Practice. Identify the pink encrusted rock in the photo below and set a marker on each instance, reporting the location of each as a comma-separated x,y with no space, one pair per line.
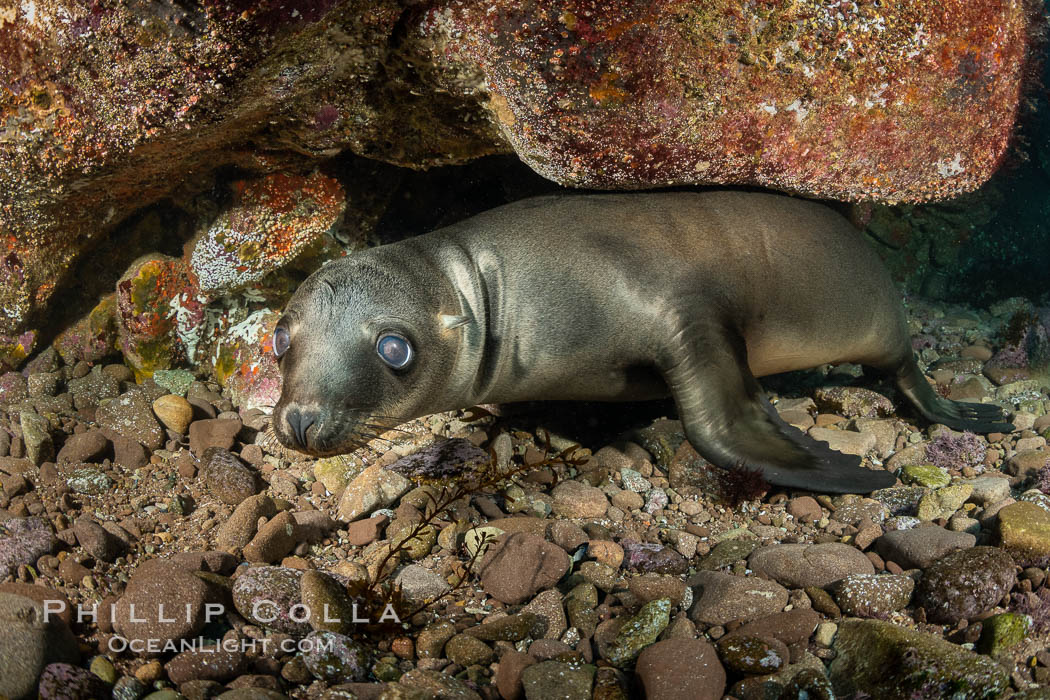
272,221
900,101
93,131
244,362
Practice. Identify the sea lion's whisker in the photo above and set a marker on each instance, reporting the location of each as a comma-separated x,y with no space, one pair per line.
384,428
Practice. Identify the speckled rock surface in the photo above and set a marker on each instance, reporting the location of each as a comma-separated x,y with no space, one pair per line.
966,583
884,661
267,594
869,595
23,540
789,95
336,658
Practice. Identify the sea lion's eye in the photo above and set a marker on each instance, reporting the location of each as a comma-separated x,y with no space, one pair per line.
281,341
395,350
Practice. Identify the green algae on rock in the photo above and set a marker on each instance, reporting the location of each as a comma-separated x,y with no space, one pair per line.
928,475
1001,632
893,663
1024,531
639,632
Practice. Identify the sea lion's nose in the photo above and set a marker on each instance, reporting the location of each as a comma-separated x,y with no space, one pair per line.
300,420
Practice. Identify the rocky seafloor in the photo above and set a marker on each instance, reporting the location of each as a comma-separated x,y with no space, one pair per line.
553,551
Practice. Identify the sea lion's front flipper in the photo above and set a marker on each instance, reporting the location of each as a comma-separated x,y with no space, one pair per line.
729,421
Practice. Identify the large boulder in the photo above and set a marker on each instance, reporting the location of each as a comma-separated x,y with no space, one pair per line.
91,134
868,101
877,102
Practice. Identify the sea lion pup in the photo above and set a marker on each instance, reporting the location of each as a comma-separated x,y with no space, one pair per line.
607,297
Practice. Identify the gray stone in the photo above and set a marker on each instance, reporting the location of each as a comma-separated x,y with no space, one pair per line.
555,680
36,433
29,641
921,546
721,598
420,585
801,565
131,416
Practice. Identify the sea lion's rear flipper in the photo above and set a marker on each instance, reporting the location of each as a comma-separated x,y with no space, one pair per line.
729,421
957,415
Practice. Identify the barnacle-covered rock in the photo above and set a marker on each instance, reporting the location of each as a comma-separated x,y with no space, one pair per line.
271,222
243,360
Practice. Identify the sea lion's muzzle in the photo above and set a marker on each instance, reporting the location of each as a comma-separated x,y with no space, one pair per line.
299,426
300,420
319,431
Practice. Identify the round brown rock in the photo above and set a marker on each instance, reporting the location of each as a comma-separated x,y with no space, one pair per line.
681,668
213,432
801,565
521,565
212,663
274,540
466,650
227,477
573,499
921,546
88,446
155,583
97,541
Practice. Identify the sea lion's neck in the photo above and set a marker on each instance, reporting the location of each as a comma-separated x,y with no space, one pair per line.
475,278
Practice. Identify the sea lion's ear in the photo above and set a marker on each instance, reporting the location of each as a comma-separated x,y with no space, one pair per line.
450,322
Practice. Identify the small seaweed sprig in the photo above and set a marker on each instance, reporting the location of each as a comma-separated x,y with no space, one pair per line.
478,476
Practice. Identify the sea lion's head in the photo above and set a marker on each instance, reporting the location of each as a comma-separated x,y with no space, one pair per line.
361,348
